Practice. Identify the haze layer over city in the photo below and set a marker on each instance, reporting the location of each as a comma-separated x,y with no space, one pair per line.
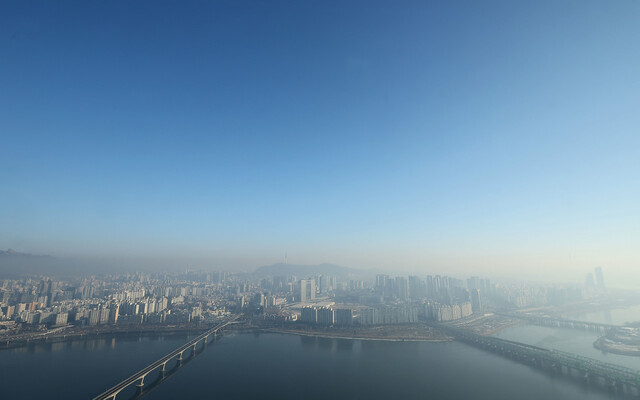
328,184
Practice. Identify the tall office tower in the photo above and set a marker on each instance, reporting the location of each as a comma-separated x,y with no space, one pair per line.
599,278
589,283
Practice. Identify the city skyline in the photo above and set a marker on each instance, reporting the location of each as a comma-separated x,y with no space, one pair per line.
501,142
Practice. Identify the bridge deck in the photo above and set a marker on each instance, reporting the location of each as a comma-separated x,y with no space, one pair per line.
561,321
113,391
587,365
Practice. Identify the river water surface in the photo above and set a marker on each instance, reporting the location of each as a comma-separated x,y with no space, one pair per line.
279,366
618,316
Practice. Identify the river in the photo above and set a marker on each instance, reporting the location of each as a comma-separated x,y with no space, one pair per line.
280,366
617,316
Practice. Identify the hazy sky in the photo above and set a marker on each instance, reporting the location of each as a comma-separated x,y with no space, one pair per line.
461,136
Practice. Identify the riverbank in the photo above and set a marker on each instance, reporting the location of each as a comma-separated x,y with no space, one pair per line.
607,345
388,333
75,334
486,325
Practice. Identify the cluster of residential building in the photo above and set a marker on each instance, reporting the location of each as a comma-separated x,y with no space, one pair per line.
115,300
322,300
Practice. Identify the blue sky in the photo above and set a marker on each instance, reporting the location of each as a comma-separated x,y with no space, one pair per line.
431,136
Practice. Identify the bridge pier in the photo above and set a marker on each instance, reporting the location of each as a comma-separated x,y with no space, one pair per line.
586,377
140,384
620,387
608,384
194,348
556,368
180,357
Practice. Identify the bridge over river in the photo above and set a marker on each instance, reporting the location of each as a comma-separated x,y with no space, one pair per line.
563,323
161,364
588,370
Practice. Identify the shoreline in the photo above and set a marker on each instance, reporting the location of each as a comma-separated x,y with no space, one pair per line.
586,309
325,336
492,332
602,346
71,336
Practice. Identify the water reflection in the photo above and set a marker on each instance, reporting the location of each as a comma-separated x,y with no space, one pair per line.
164,375
325,343
308,341
569,340
57,347
281,367
344,345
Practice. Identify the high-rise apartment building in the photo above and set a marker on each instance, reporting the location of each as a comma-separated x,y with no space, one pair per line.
307,290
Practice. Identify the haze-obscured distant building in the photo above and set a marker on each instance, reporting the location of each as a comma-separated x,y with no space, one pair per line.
476,302
388,315
600,278
446,312
589,282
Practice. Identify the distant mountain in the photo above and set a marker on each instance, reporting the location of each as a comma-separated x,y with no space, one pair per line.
8,255
304,270
14,264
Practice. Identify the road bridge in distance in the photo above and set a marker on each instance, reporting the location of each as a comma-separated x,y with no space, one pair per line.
590,371
138,377
564,323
